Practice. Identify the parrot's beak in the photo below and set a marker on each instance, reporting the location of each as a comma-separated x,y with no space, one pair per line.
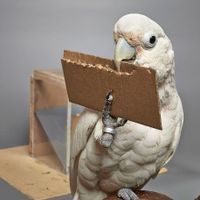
123,51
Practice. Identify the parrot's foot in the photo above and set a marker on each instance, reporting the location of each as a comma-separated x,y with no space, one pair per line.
110,123
106,140
127,194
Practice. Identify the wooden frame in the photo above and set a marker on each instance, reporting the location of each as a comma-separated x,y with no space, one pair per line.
47,89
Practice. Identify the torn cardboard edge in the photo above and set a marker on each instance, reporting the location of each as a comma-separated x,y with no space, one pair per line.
88,79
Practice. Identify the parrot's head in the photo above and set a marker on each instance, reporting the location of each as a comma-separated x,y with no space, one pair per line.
142,42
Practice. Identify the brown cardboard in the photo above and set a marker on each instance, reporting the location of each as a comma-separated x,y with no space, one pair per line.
89,78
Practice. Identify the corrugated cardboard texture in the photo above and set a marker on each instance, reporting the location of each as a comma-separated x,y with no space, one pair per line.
89,78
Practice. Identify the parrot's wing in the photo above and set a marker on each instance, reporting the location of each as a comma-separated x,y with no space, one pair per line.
84,128
177,134
175,143
171,151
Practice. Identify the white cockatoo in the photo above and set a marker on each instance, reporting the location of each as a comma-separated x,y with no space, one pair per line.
111,155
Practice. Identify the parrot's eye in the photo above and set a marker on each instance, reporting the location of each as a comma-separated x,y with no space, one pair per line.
149,40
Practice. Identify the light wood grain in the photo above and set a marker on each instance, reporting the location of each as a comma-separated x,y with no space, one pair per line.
30,176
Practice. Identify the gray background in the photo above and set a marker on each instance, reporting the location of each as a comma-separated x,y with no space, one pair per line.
33,35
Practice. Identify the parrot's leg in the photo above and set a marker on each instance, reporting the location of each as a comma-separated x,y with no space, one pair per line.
106,139
110,123
127,194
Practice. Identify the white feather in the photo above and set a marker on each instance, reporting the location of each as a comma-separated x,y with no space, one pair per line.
137,152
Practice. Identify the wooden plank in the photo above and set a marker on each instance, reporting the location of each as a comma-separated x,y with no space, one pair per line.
31,176
54,76
37,135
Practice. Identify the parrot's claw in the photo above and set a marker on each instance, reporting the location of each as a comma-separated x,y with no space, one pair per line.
127,194
106,140
107,119
121,122
109,97
110,123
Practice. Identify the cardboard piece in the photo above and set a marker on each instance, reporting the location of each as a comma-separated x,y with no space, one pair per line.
89,78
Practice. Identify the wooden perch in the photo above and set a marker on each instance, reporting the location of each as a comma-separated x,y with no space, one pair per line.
144,195
198,198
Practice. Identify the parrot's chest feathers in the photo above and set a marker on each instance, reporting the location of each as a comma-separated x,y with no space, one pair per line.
138,151
131,159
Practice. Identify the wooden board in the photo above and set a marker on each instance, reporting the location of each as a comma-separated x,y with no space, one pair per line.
30,176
